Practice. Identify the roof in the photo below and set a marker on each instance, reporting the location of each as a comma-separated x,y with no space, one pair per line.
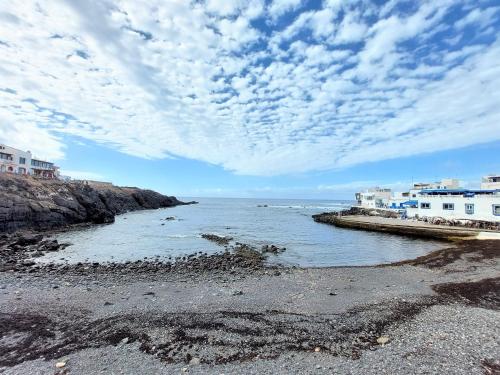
456,191
410,203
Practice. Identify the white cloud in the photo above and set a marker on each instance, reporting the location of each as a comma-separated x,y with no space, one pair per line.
350,30
280,7
478,16
202,81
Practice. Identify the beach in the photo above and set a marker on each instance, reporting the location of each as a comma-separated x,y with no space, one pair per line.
436,314
232,286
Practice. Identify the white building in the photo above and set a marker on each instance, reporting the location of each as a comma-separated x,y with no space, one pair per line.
17,161
443,199
459,204
490,182
14,161
374,198
445,183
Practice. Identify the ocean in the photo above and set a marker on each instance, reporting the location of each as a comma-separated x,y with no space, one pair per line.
281,222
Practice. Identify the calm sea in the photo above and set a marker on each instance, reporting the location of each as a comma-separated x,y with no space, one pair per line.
287,223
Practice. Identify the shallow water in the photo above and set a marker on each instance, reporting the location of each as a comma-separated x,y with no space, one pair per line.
285,223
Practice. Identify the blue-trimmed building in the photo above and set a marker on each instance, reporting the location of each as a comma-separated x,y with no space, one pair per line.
458,204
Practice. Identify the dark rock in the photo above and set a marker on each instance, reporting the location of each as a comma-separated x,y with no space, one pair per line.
220,240
28,203
273,249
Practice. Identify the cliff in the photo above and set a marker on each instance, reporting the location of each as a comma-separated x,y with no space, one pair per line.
28,203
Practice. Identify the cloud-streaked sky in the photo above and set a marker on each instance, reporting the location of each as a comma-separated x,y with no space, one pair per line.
257,88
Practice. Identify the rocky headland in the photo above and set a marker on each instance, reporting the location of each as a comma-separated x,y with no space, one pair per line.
32,204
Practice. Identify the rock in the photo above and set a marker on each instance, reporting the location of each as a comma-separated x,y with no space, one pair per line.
220,240
195,361
237,293
170,218
29,240
28,203
317,349
382,340
125,340
273,249
60,364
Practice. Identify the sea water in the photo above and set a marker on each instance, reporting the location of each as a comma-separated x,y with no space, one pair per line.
284,223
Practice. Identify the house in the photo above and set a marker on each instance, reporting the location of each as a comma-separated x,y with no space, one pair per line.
459,204
445,183
490,182
445,199
13,160
374,198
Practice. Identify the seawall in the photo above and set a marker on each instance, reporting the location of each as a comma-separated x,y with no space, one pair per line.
405,227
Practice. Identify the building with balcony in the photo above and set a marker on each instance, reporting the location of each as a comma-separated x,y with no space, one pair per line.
490,182
13,160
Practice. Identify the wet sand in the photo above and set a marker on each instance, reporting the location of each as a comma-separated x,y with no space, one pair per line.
232,314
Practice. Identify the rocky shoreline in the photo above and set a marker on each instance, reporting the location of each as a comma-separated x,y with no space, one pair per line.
19,251
230,312
27,203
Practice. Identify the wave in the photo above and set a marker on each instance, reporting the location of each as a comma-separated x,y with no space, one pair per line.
180,235
332,206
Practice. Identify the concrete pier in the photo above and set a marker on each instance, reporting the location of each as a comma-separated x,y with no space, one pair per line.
406,227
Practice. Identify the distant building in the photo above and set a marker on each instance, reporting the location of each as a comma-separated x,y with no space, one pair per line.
17,161
460,204
445,183
490,182
374,198
445,199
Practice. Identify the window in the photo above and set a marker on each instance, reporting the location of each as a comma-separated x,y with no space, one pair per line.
5,156
22,160
425,205
448,206
496,209
469,208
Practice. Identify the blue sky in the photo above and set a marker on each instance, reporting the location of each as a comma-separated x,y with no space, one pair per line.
283,98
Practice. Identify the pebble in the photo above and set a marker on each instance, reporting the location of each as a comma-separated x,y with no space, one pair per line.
60,364
382,340
194,361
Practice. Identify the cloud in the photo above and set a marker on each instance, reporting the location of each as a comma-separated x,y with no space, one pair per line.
259,89
280,7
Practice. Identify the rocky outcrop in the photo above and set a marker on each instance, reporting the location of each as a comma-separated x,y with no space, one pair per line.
478,224
28,203
328,217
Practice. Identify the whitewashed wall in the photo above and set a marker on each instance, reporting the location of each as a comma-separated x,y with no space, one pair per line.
482,207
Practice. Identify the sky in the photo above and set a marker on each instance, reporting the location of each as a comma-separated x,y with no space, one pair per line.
254,98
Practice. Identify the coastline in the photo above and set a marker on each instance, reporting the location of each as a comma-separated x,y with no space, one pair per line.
233,314
27,203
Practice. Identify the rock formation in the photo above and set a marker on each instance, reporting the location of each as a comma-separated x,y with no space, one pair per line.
28,203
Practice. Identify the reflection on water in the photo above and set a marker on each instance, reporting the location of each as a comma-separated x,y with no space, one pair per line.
257,222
